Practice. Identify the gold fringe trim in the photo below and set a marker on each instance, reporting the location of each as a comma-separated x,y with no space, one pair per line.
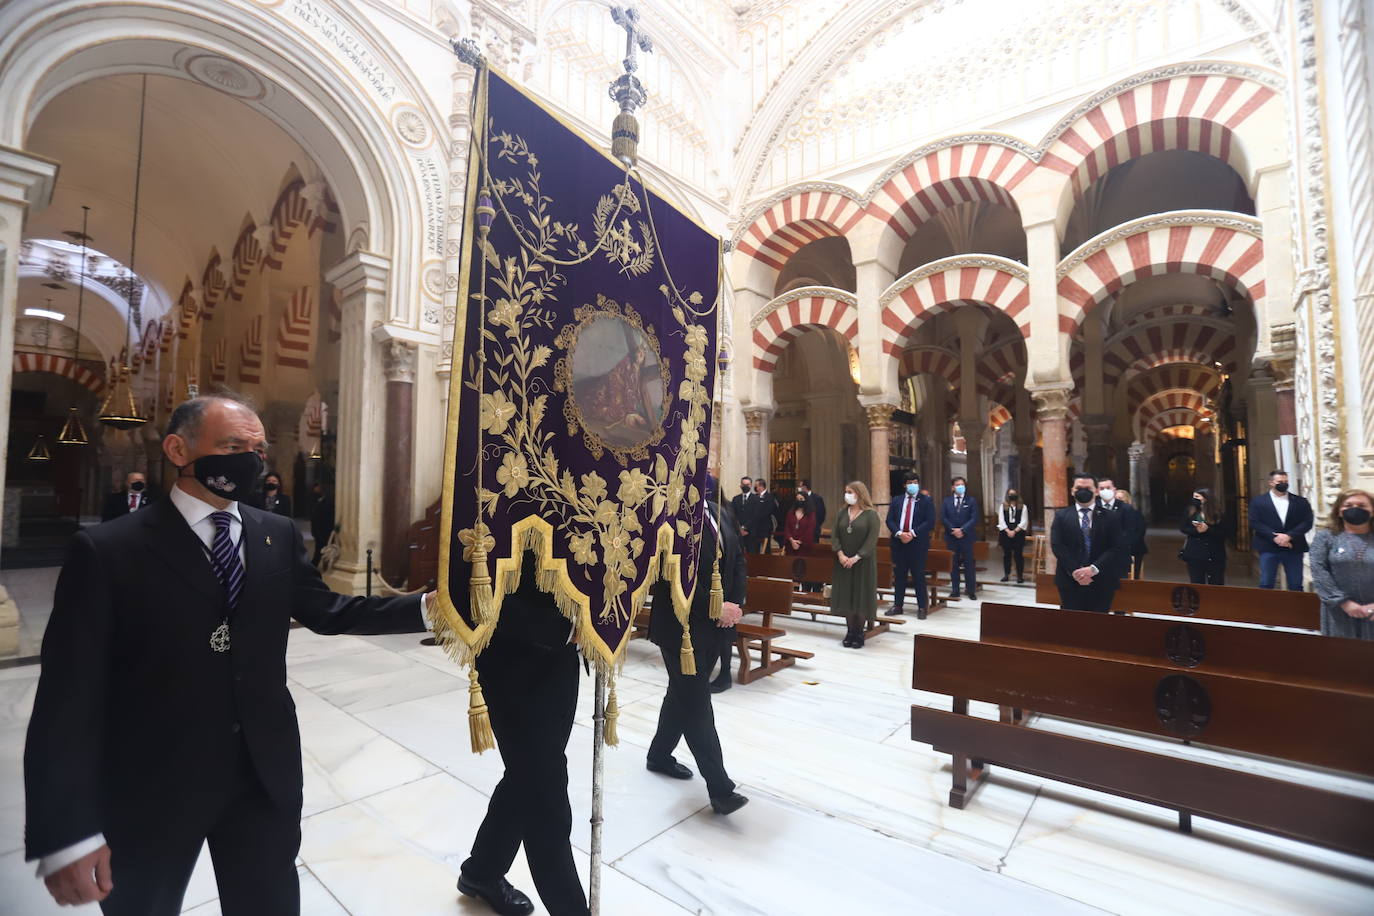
479,721
612,714
480,588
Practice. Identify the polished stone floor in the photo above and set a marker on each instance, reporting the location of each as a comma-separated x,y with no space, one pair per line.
847,814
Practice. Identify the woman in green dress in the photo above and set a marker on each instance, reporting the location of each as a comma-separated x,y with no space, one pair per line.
854,583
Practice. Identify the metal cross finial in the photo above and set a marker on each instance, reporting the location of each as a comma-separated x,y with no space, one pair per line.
628,19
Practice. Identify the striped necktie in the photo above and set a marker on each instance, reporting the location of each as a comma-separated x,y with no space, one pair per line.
224,557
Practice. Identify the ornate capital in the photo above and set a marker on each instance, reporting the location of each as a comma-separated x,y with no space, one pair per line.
1135,451
880,415
754,419
1051,402
1282,369
398,359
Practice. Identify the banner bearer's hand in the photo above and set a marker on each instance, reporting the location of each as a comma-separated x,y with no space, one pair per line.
87,880
730,614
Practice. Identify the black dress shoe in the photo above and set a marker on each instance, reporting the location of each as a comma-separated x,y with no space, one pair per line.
896,610
858,642
1006,578
720,686
499,895
728,804
972,596
848,640
953,596
671,768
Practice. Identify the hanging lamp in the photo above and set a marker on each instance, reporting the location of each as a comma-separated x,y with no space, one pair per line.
73,432
39,451
120,409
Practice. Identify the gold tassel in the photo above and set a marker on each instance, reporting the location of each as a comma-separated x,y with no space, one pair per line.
479,587
479,722
687,658
717,593
612,713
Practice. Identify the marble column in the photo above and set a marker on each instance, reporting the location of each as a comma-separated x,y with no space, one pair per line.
880,451
1052,410
756,425
1097,431
1140,473
398,358
361,280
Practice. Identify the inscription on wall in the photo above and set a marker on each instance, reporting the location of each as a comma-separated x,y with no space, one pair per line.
350,46
432,191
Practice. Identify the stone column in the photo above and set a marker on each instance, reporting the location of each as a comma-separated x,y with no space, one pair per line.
1097,430
1285,412
972,429
398,358
361,280
26,182
756,425
879,429
1052,410
1140,475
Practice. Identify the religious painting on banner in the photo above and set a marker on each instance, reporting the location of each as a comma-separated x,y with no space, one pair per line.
580,399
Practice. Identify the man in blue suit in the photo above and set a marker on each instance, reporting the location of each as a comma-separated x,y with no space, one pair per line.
1280,521
960,518
910,519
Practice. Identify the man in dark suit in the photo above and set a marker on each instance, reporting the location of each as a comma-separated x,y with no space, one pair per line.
817,503
133,497
530,677
960,518
1280,521
1132,524
760,518
162,717
910,519
739,504
686,710
1088,546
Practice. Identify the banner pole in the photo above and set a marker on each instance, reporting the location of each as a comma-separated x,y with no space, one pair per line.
598,766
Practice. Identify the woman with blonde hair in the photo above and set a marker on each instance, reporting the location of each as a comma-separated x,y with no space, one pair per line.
1343,567
854,584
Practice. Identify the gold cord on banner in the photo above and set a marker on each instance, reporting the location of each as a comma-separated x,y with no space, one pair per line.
480,594
687,658
612,714
479,721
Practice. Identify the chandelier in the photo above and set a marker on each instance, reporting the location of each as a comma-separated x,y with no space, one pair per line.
73,432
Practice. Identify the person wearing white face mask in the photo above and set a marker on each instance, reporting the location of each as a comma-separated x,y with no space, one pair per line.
854,582
1132,524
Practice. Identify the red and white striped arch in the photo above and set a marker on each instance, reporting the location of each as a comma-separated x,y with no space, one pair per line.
998,416
1145,348
59,365
1198,379
947,176
998,366
796,221
942,285
793,314
935,361
1169,419
1165,402
1200,112
1228,249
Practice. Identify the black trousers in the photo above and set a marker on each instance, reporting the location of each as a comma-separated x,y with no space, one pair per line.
1085,597
1014,549
755,543
531,696
1137,564
687,713
253,845
1207,572
962,548
909,560
724,641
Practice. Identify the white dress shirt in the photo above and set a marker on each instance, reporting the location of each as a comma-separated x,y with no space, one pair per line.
1280,505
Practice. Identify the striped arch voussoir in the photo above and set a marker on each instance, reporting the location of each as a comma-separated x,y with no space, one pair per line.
59,365
942,285
944,177
794,313
784,228
935,361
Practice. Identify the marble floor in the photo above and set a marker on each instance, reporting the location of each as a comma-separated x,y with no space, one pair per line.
847,814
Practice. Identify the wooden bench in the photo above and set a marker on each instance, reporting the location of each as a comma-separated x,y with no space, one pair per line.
1296,722
766,597
1262,606
805,568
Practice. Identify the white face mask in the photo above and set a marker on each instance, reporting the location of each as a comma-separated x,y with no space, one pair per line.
851,499
1107,494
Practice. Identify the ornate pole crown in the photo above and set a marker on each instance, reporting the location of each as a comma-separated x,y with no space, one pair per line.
626,90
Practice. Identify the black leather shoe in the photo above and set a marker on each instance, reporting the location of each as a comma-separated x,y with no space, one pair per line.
671,768
498,894
848,640
858,642
728,804
1006,578
896,610
720,686
972,596
953,596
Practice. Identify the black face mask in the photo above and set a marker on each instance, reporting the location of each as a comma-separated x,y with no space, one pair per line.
1011,497
229,477
1355,515
137,486
270,486
744,488
1281,487
1195,503
1084,495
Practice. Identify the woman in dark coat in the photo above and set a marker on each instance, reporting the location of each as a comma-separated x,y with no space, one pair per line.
799,532
1205,549
686,710
854,583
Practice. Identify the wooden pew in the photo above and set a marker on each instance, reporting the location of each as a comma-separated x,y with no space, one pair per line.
1266,607
1271,655
766,597
1288,721
805,568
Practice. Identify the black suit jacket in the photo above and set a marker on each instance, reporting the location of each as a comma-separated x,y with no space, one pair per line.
818,509
1133,528
1264,522
965,517
760,514
135,717
1108,549
117,504
922,521
664,629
